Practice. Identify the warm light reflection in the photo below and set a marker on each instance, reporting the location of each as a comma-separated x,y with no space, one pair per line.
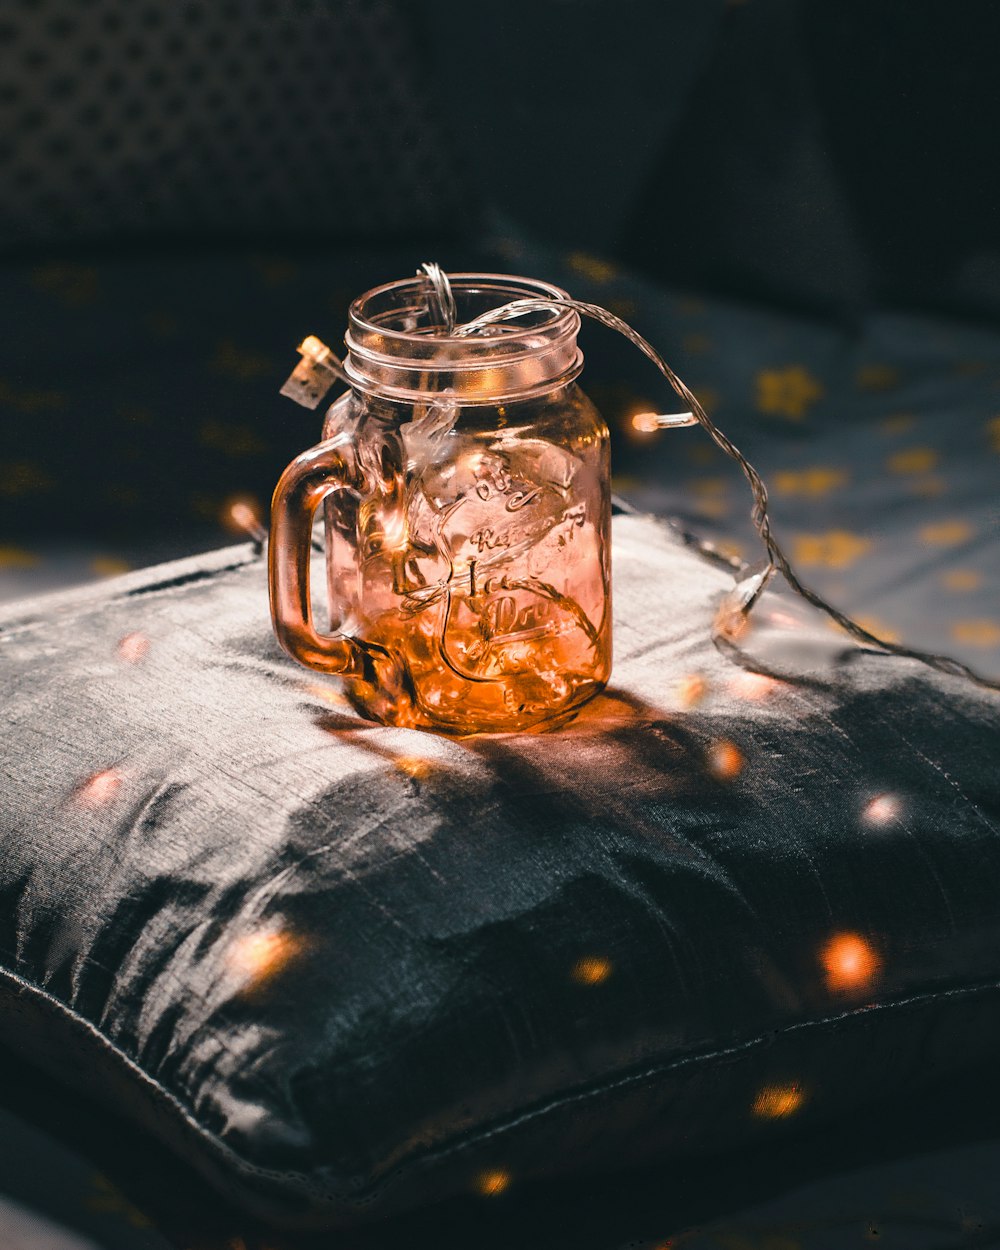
591,970
394,531
414,766
329,694
690,690
256,957
777,1102
882,810
784,620
850,963
132,648
492,1182
99,789
753,686
725,760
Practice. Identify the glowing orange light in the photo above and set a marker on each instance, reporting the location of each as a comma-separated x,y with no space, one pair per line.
314,348
691,690
785,620
99,789
241,515
754,686
725,760
257,957
645,422
591,970
777,1102
492,1182
413,766
132,648
730,623
850,963
883,809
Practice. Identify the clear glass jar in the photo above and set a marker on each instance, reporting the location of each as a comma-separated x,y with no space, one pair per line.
467,503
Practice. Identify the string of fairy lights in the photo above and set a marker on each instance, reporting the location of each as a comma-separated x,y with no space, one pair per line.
319,368
734,612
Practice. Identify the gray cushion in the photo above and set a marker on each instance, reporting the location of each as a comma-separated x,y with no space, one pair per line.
348,969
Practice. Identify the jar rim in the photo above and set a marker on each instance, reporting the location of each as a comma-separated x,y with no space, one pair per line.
412,359
555,322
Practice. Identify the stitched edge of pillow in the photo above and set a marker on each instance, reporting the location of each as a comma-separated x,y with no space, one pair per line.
183,1125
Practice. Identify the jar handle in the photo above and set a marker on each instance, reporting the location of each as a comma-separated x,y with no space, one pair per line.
301,489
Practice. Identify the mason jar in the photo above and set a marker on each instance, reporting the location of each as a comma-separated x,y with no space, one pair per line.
466,490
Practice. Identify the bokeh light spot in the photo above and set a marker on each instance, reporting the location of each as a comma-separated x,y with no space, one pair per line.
882,810
132,648
850,963
255,958
492,1182
591,970
753,686
725,760
240,514
100,788
778,1102
690,690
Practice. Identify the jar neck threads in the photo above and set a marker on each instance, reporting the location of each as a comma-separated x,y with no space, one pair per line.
396,350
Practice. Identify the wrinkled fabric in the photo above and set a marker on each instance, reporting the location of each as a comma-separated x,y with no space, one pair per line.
349,969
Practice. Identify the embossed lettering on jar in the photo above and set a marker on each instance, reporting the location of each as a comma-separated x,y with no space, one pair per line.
466,487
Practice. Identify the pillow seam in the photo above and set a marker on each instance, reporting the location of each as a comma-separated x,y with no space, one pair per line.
304,1184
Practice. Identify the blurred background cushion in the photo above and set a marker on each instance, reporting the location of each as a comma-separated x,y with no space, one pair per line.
347,969
216,121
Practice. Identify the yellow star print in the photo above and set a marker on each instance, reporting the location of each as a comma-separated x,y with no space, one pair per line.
877,377
946,533
962,579
913,460
591,266
837,549
810,482
17,558
977,633
788,392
